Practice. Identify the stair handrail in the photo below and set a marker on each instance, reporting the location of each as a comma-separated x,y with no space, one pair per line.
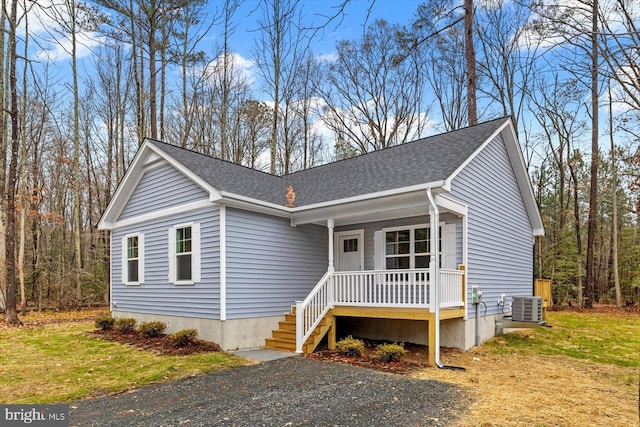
305,329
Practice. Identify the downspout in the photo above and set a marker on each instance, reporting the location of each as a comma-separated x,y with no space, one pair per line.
435,269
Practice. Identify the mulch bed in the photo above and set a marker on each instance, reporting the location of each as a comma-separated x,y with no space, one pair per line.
417,358
160,345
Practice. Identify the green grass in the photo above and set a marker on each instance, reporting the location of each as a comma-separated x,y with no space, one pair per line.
602,338
60,362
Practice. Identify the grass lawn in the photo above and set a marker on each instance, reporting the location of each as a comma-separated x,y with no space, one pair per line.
56,362
598,337
581,371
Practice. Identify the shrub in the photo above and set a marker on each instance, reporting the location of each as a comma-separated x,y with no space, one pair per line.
125,325
152,329
350,346
390,352
184,337
104,322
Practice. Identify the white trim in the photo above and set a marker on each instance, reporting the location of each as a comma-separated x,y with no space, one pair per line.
187,207
330,226
369,196
360,233
516,159
147,157
125,259
412,253
451,205
223,262
465,262
214,194
464,164
195,252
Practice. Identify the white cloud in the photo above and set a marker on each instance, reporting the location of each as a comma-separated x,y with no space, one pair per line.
330,57
44,20
239,64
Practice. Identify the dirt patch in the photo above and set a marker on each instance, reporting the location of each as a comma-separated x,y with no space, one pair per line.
159,345
417,358
516,390
599,308
34,319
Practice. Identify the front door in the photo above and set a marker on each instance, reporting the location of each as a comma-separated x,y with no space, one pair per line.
349,250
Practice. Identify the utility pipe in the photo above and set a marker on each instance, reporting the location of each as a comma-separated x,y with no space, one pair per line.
477,324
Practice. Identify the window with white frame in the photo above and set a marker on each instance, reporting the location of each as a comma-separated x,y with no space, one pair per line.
133,259
184,254
407,247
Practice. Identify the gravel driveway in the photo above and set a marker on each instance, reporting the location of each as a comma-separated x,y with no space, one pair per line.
287,392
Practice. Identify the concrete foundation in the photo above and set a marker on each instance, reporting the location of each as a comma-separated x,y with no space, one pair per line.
231,334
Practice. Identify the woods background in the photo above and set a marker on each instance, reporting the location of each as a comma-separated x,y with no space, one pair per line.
83,83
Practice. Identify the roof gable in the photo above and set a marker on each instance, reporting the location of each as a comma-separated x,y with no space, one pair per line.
429,162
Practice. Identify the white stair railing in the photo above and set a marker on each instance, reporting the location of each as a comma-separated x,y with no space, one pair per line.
383,288
310,312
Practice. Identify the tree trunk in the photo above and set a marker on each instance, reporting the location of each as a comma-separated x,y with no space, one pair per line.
11,311
470,55
614,208
77,221
593,191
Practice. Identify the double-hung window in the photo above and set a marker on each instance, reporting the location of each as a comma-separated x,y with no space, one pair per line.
184,254
407,247
133,259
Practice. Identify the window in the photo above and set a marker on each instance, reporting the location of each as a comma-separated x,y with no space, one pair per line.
133,259
184,254
407,248
350,245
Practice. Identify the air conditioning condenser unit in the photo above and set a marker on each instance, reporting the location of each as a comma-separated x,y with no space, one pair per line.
527,309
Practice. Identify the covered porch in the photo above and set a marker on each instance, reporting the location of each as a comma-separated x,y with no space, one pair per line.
382,265
398,295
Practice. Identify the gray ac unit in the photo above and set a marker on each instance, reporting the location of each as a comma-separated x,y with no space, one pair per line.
527,309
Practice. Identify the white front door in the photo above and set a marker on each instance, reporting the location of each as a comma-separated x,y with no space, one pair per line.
349,250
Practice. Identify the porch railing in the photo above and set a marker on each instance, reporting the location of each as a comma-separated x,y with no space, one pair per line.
387,288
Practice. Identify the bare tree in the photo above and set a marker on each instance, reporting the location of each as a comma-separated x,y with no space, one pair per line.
372,100
508,56
280,46
445,70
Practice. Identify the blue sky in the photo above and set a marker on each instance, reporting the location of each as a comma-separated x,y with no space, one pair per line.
349,26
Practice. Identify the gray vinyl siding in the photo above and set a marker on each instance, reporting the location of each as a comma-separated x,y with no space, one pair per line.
371,227
500,238
156,295
160,188
270,264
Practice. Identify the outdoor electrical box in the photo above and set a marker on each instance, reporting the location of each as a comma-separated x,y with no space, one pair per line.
476,295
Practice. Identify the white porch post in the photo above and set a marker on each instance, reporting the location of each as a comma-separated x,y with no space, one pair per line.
330,224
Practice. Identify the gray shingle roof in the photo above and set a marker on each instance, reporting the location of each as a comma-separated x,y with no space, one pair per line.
426,160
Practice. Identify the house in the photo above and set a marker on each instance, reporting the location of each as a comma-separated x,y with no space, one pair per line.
202,243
